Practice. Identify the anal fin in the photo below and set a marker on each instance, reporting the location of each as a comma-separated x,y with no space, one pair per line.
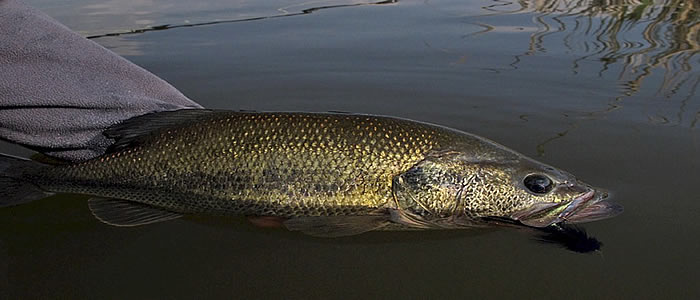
336,226
126,213
267,221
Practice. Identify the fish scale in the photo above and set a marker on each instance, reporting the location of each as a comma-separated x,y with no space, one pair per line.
280,164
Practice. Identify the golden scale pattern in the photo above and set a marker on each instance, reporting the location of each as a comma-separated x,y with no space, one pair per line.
284,164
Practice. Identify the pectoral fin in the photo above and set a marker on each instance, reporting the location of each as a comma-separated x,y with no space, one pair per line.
410,220
336,226
126,213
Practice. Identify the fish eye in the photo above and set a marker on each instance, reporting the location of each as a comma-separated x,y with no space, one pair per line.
538,184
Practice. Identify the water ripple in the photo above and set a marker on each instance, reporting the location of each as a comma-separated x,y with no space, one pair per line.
283,12
648,44
643,36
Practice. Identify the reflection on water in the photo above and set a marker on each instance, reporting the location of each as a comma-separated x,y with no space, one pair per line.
286,11
129,47
93,17
643,36
290,10
629,40
633,39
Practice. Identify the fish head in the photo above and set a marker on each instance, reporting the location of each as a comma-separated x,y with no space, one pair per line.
457,189
540,195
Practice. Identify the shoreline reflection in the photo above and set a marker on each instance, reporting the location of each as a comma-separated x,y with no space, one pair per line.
642,36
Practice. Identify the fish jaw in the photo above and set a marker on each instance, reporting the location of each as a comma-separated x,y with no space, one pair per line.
591,205
599,208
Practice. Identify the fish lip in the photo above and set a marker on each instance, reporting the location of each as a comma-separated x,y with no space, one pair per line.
581,201
591,205
534,216
598,208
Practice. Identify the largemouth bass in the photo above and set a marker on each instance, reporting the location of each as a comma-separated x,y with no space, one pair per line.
326,174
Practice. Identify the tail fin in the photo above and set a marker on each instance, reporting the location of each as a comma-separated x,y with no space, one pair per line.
13,189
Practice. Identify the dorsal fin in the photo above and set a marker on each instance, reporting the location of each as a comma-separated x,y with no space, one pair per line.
130,132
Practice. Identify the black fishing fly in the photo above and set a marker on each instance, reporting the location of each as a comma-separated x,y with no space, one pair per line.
570,237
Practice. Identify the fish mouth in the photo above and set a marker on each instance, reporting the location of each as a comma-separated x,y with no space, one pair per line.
589,206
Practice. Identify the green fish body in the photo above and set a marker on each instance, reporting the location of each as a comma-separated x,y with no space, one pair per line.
328,173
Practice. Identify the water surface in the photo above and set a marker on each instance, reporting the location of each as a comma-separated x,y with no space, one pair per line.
606,90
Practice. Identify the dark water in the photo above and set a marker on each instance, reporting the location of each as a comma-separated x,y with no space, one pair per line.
604,89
